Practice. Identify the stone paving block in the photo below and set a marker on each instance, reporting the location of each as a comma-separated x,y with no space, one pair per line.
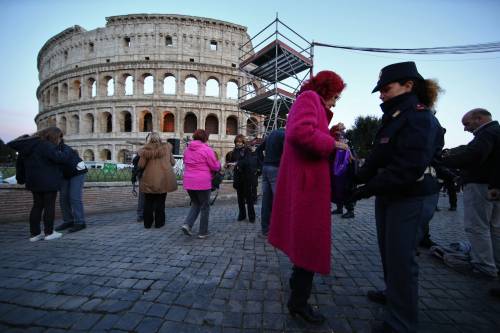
21,316
59,319
176,313
128,321
158,310
113,306
149,325
73,303
106,322
86,321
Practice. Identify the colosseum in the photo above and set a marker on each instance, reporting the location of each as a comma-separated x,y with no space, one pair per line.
107,88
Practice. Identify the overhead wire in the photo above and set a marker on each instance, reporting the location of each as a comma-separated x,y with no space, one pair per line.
490,47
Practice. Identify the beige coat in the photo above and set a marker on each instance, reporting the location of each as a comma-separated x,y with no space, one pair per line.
157,162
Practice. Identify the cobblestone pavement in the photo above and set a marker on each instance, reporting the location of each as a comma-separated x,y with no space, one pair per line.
117,276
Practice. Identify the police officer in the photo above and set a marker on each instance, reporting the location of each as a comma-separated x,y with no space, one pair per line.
398,172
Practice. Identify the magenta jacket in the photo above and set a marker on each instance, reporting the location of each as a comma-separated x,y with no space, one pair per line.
301,220
199,165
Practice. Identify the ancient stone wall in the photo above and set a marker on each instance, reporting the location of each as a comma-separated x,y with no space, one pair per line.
107,88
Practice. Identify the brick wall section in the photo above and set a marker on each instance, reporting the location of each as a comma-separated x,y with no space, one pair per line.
16,202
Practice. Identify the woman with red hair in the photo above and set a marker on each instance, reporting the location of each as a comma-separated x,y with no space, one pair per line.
301,221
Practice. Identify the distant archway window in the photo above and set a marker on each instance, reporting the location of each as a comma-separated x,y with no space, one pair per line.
169,85
232,90
190,123
129,85
148,85
212,88
168,122
191,86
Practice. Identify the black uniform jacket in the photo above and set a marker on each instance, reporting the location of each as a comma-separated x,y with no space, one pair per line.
480,159
405,145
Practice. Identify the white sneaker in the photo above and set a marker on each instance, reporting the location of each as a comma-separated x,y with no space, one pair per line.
37,237
186,230
53,235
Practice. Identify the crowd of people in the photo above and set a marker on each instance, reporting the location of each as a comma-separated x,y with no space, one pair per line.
306,167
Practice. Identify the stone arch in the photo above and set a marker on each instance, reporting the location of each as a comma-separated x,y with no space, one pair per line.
46,95
169,84
64,92
76,90
249,91
212,87
168,122
123,156
232,89
91,87
149,83
128,84
88,155
105,154
190,123
55,95
145,121
106,122
106,82
212,124
125,121
232,125
63,124
191,85
88,123
251,127
74,124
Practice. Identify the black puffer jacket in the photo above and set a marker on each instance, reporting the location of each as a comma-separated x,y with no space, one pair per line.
479,159
69,170
41,161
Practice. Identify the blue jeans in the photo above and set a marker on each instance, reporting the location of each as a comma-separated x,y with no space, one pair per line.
70,199
269,177
399,225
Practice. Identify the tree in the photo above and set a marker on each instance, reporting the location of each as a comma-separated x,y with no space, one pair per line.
362,134
7,154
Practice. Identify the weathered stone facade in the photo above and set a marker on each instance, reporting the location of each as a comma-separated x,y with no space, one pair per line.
107,88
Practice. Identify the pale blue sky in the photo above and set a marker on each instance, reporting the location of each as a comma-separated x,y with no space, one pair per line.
470,81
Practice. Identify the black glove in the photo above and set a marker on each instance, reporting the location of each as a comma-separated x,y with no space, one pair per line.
359,193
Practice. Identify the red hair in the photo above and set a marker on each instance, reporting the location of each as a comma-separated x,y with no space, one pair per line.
326,83
200,135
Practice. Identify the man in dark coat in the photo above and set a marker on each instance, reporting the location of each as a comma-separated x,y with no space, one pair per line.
273,148
477,162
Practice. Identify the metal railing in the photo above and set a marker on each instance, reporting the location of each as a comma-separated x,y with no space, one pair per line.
105,172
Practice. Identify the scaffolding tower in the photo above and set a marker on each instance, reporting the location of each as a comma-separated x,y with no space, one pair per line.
275,67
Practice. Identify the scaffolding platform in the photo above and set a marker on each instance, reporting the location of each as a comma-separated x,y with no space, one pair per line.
264,103
275,62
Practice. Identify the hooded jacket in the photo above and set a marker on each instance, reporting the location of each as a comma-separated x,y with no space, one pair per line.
199,165
70,169
41,163
157,161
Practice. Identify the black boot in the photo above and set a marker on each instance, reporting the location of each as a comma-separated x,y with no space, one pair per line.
301,286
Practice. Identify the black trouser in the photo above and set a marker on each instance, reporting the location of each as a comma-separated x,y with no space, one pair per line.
43,202
349,205
245,197
154,209
301,286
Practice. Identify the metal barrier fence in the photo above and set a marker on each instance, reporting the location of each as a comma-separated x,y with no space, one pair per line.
106,172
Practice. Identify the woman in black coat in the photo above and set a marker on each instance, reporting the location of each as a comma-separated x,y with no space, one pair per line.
39,168
244,177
